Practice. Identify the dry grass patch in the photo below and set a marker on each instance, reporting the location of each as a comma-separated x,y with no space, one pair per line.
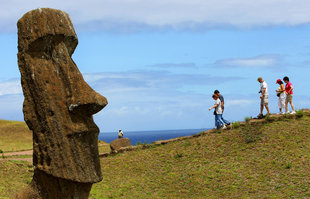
15,136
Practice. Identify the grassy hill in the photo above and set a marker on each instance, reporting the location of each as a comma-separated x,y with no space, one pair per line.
15,136
255,160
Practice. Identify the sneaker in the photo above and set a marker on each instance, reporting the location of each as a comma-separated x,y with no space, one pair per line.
293,112
260,116
224,126
282,113
287,112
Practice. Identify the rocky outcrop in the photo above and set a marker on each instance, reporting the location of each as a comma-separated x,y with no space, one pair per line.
117,144
58,107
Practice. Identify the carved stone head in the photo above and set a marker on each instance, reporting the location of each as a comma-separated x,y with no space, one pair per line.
58,104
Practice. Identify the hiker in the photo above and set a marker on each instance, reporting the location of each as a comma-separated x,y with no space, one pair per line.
263,97
218,113
289,95
281,95
120,134
216,92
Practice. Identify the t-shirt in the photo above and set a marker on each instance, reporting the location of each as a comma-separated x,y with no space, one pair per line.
288,87
264,85
218,109
221,98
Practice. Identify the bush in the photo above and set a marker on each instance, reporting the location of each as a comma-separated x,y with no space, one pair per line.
178,155
2,153
268,118
299,113
288,165
235,125
247,119
140,143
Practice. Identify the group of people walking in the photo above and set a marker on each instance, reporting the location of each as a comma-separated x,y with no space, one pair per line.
220,122
284,93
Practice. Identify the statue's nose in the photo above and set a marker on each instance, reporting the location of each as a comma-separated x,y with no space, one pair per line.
89,103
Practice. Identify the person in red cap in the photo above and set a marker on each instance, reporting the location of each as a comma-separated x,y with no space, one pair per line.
281,95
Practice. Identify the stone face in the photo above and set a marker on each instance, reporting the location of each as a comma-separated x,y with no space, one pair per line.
58,103
119,143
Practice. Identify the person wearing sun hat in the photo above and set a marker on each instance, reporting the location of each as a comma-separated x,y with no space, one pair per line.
281,95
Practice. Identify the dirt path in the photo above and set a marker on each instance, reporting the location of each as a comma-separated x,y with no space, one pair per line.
10,156
22,159
28,152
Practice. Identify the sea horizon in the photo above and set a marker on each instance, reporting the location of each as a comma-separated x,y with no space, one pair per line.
148,136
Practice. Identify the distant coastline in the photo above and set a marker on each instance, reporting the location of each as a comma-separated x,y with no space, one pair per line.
148,136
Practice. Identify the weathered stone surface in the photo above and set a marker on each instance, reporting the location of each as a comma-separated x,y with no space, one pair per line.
117,144
58,104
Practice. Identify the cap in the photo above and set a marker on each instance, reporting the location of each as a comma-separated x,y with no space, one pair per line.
279,80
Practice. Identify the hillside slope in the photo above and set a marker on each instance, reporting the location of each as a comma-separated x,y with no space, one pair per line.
15,136
269,160
255,160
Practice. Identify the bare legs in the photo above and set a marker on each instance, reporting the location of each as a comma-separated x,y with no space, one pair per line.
292,105
262,108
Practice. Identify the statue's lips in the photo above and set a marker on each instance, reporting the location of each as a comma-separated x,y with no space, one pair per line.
82,134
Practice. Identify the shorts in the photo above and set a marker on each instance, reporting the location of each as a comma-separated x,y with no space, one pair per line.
289,98
264,100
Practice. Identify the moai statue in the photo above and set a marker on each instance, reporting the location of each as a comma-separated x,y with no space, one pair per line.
58,108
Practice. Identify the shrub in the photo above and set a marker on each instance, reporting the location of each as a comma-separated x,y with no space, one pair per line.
178,155
235,125
299,113
217,131
2,153
141,143
268,118
288,165
247,119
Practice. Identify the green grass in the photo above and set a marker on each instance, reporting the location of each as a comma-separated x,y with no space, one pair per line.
104,148
269,160
264,161
14,176
15,136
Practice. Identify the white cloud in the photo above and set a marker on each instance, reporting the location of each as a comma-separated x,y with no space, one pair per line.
177,14
10,87
258,61
174,65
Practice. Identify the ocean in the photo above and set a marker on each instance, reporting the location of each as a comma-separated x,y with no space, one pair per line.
148,136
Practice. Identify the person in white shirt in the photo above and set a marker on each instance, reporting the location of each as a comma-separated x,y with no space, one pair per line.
120,134
264,96
218,113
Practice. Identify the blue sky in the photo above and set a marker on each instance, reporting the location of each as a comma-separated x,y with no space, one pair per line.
158,62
